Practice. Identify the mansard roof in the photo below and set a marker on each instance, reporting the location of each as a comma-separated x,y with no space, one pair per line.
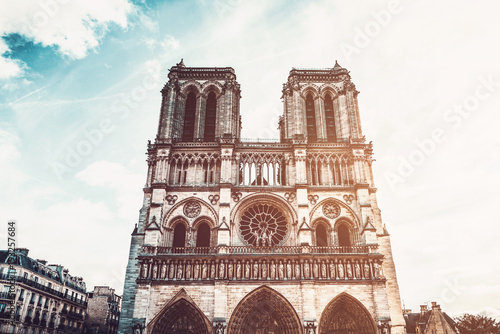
53,272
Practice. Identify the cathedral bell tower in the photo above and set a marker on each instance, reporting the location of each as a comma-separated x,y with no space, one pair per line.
248,237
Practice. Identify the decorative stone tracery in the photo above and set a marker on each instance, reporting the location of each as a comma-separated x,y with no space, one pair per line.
263,225
264,311
180,317
345,314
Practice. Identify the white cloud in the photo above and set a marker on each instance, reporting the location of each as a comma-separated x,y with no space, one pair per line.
73,27
8,67
10,177
169,43
116,177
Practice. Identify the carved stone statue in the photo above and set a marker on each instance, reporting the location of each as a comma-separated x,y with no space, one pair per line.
179,270
289,270
212,270
163,271
281,270
357,270
315,269
155,271
189,238
349,270
367,271
171,270
332,270
230,270
272,270
341,270
297,270
238,270
196,270
376,270
306,269
204,270
255,270
247,270
264,270
323,269
188,270
222,272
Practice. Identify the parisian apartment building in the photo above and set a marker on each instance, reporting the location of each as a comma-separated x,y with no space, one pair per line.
45,298
243,235
103,311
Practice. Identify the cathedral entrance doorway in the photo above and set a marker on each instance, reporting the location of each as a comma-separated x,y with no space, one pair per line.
180,318
346,315
264,311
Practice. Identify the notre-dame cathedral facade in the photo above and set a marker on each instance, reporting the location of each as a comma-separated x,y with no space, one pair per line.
239,236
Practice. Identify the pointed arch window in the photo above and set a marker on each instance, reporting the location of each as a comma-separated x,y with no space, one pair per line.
203,235
344,235
321,235
179,235
330,119
210,116
189,114
311,118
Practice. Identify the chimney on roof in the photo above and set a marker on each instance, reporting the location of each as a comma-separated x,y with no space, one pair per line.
435,306
42,261
23,251
423,309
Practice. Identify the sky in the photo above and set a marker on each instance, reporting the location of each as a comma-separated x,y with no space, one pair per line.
80,97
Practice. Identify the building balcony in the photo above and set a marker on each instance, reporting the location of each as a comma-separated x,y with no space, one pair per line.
5,295
242,250
167,265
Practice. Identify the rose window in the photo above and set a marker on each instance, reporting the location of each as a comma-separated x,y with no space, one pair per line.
263,225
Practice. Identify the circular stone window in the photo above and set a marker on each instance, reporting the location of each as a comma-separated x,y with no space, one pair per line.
263,225
331,210
192,209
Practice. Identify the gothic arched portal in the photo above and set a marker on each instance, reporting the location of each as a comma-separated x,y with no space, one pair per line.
346,315
180,318
264,311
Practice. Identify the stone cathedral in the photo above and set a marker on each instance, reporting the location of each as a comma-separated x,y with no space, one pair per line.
239,236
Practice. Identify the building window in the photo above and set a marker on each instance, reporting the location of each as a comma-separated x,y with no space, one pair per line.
330,119
203,235
189,114
344,235
210,117
179,235
321,235
311,118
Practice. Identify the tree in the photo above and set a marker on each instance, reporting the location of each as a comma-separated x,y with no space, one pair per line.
477,324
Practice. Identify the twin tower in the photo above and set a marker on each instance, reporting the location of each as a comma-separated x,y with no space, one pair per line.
248,237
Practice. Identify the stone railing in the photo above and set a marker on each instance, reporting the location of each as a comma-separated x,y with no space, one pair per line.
235,268
364,249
